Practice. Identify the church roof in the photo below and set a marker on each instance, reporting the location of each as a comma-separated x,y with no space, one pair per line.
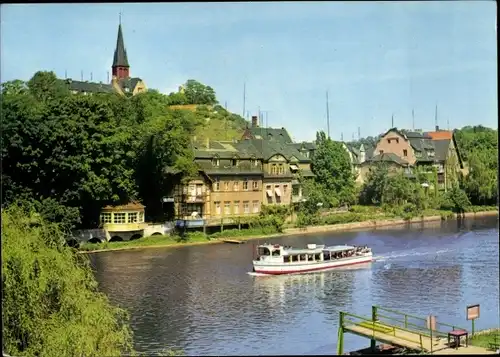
120,58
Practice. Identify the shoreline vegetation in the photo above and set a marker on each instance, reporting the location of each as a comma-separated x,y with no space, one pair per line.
198,238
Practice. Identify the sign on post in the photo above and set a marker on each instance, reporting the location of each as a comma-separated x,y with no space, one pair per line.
472,312
431,322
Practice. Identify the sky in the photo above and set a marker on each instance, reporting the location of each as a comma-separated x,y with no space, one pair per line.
375,59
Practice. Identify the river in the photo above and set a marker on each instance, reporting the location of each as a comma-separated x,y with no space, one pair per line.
202,299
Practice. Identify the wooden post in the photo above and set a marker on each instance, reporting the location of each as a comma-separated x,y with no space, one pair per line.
239,223
222,224
373,342
340,342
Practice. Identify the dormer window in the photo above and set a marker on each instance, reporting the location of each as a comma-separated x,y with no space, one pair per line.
254,162
234,162
215,161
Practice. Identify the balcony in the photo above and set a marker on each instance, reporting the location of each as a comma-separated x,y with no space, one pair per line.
190,198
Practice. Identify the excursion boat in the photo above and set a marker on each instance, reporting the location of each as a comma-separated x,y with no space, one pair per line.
275,259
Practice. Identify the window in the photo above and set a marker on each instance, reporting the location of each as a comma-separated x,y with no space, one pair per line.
405,152
132,217
217,208
141,217
234,162
245,184
295,190
236,186
285,189
105,217
281,171
381,152
254,162
246,207
397,140
255,205
216,184
236,207
388,141
287,259
215,161
227,208
226,185
119,218
269,194
255,185
274,169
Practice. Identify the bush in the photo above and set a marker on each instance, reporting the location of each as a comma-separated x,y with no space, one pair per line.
51,305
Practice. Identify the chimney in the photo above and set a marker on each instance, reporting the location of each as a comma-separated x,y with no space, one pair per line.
437,127
255,121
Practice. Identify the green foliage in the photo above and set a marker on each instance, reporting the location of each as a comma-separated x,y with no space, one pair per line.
76,153
479,148
51,306
271,219
197,93
459,200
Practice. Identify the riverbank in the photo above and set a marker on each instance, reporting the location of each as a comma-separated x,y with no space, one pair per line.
199,239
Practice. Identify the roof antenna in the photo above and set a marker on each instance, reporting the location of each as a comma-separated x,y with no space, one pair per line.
81,75
65,74
327,116
436,118
341,136
244,98
359,133
448,122
91,76
392,121
413,118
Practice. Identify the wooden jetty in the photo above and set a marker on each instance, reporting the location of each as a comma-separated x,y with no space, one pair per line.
402,330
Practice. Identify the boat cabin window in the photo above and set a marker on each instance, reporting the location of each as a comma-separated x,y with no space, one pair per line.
264,251
295,258
326,256
302,257
287,259
317,257
310,257
276,253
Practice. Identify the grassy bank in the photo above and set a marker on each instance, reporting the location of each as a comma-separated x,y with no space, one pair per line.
358,218
486,339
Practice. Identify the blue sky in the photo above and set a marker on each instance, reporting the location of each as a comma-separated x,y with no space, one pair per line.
374,58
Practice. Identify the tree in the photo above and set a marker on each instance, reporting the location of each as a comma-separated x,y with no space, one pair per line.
333,170
198,93
50,302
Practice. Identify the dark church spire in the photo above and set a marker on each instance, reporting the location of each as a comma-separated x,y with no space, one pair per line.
120,67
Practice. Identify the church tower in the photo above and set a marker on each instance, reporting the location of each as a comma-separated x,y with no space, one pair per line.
120,68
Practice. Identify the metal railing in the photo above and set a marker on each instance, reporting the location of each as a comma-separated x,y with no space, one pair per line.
375,326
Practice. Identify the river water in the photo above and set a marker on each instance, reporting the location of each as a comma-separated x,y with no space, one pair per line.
202,299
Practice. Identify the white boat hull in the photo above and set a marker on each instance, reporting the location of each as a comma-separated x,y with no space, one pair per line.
273,268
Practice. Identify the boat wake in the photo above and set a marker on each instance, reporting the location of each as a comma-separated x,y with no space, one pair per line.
408,254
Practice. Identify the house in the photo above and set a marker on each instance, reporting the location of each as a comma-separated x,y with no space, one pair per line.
121,81
229,183
432,149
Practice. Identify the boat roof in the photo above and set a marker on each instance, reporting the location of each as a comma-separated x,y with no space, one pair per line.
318,249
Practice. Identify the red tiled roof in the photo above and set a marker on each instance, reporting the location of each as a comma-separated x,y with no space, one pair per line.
441,135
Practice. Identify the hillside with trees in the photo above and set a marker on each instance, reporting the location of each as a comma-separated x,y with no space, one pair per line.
70,154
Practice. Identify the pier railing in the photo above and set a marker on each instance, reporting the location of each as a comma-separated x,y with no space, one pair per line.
412,322
347,319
